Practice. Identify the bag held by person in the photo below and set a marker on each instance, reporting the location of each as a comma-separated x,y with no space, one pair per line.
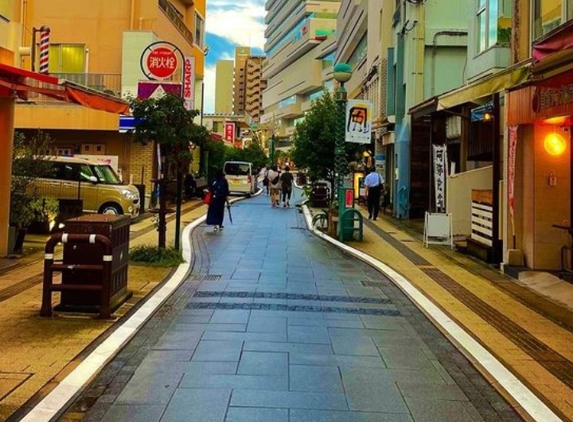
276,179
207,198
266,181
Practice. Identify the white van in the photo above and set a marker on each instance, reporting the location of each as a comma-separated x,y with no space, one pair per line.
240,176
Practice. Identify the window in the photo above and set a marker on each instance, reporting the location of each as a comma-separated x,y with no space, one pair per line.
67,58
549,14
487,27
199,30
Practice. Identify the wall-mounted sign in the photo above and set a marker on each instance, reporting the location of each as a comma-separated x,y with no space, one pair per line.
189,82
358,121
229,132
160,60
157,89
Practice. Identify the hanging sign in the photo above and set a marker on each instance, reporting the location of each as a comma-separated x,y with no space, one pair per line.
358,121
440,164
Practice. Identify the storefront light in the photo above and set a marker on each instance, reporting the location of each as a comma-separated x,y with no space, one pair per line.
554,144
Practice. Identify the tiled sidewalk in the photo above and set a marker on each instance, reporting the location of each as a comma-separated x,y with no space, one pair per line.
276,325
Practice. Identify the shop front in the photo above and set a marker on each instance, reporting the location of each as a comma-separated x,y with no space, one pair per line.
538,173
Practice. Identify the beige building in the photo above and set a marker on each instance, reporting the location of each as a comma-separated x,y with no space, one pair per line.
224,86
248,84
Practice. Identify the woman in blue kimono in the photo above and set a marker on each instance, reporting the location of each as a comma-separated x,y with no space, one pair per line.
219,197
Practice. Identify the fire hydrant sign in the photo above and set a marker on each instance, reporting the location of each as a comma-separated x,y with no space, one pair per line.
159,61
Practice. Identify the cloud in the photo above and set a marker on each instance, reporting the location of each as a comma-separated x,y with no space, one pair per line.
209,90
241,23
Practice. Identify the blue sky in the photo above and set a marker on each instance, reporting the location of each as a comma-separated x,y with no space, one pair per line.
230,24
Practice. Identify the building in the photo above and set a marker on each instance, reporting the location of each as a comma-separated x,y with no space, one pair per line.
247,84
224,87
299,54
107,47
19,86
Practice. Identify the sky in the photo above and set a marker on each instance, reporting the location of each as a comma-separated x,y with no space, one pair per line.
230,24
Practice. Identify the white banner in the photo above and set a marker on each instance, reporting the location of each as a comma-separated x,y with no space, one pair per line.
189,82
358,121
440,171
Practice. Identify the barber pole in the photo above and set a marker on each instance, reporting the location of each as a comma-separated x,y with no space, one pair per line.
44,49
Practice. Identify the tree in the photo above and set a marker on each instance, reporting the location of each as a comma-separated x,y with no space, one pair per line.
254,153
167,122
314,141
28,164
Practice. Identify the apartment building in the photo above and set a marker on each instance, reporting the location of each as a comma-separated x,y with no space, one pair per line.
104,47
247,84
299,51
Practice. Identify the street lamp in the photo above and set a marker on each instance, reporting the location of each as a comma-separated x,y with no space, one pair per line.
341,73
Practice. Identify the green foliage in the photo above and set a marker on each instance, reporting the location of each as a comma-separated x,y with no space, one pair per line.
254,153
315,138
45,209
27,165
156,257
218,154
166,121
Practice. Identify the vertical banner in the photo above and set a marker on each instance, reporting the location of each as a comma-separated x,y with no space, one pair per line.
440,165
358,121
511,176
189,82
230,132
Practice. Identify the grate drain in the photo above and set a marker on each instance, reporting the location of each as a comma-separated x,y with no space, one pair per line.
211,277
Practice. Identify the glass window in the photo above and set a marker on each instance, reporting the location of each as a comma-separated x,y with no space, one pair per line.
199,28
547,15
106,175
67,58
488,16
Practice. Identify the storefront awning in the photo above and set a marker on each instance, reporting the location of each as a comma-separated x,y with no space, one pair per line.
498,82
20,82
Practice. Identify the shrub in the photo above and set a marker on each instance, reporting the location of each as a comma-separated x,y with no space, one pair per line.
157,257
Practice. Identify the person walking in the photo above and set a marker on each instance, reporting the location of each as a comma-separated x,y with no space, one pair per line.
373,183
219,197
274,185
264,173
286,186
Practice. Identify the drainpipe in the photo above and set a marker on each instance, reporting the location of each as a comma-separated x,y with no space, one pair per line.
434,51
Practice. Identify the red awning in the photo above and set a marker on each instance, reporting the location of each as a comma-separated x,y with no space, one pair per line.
20,82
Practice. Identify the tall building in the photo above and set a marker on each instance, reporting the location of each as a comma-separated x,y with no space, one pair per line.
299,51
108,47
248,84
224,87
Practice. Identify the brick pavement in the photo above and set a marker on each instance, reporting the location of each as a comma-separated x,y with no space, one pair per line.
36,352
535,347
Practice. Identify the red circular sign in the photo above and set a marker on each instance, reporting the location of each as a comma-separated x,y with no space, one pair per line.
161,62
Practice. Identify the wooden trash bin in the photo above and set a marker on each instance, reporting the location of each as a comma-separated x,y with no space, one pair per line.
116,229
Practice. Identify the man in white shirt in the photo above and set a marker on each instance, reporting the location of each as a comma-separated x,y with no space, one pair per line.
374,183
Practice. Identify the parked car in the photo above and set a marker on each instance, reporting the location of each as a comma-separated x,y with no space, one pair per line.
241,177
96,184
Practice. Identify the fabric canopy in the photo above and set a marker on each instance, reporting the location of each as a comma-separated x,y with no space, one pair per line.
21,82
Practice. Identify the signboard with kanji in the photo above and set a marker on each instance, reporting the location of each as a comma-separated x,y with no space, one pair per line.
229,132
160,60
358,121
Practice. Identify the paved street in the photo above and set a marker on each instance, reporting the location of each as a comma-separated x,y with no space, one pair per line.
274,324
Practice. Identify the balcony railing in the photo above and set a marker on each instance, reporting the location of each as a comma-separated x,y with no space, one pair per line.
173,15
108,83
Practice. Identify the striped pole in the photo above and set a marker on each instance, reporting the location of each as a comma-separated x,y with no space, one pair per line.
44,49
